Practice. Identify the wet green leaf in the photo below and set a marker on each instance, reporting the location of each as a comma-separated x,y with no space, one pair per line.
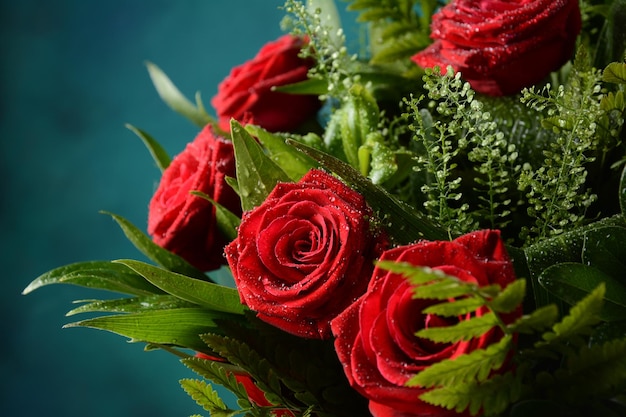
103,275
293,162
161,256
178,327
213,296
572,281
160,156
257,174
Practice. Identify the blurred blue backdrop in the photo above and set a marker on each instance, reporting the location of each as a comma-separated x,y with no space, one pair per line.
72,75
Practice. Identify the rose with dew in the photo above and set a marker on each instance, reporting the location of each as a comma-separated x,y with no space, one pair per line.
500,46
375,337
305,254
184,223
247,92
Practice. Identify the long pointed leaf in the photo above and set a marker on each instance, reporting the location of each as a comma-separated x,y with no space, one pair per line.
131,305
160,156
103,275
403,223
179,327
214,296
175,99
161,256
257,174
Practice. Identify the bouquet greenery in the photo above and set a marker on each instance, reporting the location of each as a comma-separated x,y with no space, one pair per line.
433,226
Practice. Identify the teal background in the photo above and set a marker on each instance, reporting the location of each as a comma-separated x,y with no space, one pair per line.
72,75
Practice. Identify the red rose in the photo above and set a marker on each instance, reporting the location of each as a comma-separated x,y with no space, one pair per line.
375,337
501,46
305,254
247,91
183,223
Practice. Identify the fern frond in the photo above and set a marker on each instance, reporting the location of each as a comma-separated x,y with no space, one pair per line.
464,330
490,397
206,397
557,195
578,323
605,364
471,367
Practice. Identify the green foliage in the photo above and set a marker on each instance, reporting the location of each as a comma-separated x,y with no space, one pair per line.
490,397
553,362
402,223
154,252
175,327
203,293
579,322
397,29
160,156
294,163
176,100
227,221
463,131
556,191
333,64
103,275
131,305
257,174
206,397
471,367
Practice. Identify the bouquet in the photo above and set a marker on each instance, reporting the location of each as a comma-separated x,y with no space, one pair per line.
432,226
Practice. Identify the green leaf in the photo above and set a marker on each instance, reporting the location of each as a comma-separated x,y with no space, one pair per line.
443,289
615,72
580,320
456,307
227,221
417,275
217,372
403,223
311,86
131,305
206,397
464,330
103,275
539,320
573,281
604,364
257,174
510,298
293,162
566,247
604,249
474,366
175,99
207,294
178,327
154,252
622,192
160,156
492,397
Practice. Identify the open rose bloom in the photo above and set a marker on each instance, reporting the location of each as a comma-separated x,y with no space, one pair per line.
375,337
499,46
305,254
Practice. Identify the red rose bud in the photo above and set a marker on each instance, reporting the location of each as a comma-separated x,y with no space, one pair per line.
305,254
183,223
501,47
248,88
375,336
